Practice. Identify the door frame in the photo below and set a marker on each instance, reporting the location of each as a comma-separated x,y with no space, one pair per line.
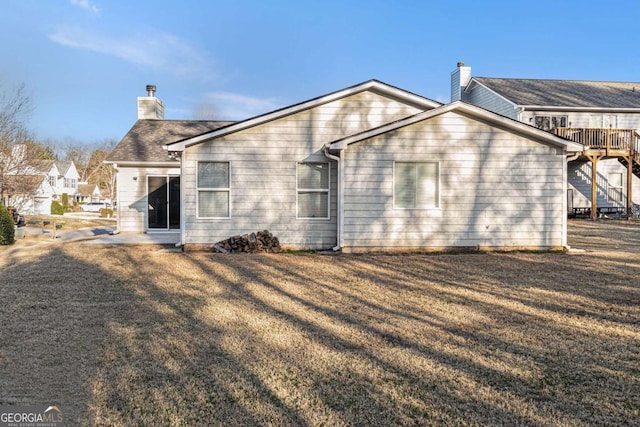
168,201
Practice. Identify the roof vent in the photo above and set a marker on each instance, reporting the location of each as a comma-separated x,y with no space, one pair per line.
151,90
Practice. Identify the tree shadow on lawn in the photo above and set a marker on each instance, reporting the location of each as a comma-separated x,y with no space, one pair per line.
139,337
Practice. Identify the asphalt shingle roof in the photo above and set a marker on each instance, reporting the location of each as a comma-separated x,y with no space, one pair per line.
566,93
143,143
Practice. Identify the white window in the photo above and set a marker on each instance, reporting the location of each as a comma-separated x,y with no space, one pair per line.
70,182
603,121
550,122
313,190
213,190
416,185
614,181
52,180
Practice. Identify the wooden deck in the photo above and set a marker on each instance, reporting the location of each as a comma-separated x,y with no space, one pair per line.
623,144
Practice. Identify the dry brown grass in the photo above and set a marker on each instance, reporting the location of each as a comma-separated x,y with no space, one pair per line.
136,336
68,222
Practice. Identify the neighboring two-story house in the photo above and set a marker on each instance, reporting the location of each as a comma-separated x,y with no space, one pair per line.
603,116
46,180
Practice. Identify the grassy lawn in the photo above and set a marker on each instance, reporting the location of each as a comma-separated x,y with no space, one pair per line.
129,336
68,221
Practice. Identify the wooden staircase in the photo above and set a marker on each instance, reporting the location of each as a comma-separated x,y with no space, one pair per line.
635,155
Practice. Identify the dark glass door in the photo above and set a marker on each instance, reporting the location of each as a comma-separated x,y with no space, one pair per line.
174,202
163,202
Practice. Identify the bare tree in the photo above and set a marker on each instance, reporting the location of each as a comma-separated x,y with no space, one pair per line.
16,147
100,173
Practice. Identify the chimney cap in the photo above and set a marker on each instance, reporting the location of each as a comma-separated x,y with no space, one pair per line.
151,89
460,64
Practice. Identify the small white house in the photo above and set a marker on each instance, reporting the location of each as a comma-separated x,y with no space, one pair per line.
370,167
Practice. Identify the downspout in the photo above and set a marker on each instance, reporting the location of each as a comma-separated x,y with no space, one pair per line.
117,230
183,221
565,202
340,205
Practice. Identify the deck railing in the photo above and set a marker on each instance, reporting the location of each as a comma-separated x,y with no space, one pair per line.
602,139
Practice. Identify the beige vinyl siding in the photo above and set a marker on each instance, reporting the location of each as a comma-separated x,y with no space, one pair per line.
132,196
579,177
489,100
496,189
263,163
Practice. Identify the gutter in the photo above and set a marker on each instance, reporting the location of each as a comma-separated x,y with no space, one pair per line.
340,207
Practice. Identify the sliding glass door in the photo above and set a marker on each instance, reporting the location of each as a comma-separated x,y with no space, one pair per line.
163,202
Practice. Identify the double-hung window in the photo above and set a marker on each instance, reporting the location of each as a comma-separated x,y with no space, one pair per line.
313,190
213,190
416,185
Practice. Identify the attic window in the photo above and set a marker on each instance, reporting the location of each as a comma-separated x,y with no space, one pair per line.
550,122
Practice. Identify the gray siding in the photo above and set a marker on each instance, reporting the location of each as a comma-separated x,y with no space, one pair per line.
483,97
263,163
496,189
132,196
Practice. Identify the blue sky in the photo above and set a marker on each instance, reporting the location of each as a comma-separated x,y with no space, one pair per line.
84,62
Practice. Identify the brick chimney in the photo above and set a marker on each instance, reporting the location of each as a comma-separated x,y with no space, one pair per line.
460,77
150,107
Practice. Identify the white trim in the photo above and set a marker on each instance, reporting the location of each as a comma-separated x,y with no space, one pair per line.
371,84
143,164
213,190
314,190
168,228
620,188
578,109
420,208
565,204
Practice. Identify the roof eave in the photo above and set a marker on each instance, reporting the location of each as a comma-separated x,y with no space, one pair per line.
117,163
569,109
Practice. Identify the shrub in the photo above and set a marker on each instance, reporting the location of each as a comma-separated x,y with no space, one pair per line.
7,228
106,213
65,202
56,208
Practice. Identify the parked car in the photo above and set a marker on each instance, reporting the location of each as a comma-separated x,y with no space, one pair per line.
18,218
95,206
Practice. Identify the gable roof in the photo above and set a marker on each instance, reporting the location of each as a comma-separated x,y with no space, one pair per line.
143,143
87,190
23,184
468,109
63,166
45,166
374,85
564,93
